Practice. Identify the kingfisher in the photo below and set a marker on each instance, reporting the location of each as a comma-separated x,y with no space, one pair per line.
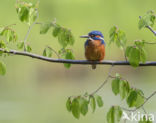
94,47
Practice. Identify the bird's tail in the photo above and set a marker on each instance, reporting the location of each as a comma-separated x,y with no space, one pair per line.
93,66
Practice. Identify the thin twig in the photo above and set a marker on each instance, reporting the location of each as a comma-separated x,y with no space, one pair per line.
154,32
144,110
10,25
82,62
150,28
28,32
106,80
150,42
54,51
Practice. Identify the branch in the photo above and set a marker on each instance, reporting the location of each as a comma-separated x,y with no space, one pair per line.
154,32
83,62
150,28
106,80
150,42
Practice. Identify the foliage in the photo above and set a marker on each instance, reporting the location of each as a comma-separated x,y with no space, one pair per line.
136,53
47,52
120,86
147,20
9,34
114,114
134,97
80,104
27,12
2,68
118,36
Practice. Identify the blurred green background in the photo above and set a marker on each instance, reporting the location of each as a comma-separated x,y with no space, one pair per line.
35,91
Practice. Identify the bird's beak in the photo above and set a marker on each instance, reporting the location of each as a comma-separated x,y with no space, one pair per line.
84,36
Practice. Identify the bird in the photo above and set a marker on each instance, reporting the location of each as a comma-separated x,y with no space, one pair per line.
94,47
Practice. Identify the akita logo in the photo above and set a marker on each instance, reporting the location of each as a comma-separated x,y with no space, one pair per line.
138,116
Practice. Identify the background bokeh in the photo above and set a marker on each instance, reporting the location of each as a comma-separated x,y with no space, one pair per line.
35,91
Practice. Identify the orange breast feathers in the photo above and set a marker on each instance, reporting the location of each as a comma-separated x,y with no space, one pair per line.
95,51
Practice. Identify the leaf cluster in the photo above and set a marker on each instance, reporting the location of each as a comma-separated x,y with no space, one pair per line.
64,35
117,36
27,12
134,97
67,54
9,34
147,20
80,105
136,53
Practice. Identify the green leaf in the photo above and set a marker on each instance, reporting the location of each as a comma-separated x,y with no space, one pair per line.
47,52
117,36
28,48
68,55
2,68
118,113
99,101
134,57
33,14
83,106
113,34
2,44
65,37
68,104
69,37
20,45
143,55
132,98
92,103
45,27
9,34
139,43
62,38
124,89
23,14
114,114
75,108
145,120
56,30
147,20
136,53
115,86
121,42
140,98
27,12
128,49
110,115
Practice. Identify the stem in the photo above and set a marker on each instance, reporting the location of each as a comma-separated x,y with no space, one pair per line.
150,28
28,32
54,51
106,80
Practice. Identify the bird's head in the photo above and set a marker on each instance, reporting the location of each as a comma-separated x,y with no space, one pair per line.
94,35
